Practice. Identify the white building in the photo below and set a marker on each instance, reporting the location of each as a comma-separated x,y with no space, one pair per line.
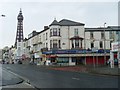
6,54
98,38
66,41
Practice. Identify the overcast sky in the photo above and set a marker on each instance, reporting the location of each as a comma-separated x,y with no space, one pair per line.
38,14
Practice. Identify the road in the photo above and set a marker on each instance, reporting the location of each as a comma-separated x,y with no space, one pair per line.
8,81
42,77
7,78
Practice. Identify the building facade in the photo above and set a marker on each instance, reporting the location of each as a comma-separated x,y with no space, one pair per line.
69,43
1,55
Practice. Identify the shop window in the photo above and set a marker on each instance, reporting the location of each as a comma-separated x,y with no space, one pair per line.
73,59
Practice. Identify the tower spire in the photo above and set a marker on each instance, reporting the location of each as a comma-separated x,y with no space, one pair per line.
19,33
20,10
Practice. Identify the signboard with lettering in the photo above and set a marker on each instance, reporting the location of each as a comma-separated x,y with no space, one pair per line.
75,51
115,46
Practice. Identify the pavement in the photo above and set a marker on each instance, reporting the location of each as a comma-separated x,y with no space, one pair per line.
101,70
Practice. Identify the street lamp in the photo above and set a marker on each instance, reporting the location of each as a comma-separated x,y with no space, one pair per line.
2,15
85,47
93,51
104,45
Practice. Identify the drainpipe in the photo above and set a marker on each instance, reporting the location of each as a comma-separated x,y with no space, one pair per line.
68,37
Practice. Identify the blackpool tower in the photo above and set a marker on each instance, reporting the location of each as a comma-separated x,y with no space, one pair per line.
19,33
19,36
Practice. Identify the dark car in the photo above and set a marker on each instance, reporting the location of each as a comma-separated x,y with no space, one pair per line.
19,62
3,61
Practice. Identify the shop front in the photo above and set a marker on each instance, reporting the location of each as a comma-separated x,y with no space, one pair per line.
115,55
52,59
76,57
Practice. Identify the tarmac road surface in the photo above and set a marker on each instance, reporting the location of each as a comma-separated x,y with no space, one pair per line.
42,77
8,81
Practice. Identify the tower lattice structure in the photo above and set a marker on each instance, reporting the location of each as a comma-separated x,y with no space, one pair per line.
19,33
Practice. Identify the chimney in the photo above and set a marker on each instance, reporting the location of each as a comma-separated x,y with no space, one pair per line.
46,27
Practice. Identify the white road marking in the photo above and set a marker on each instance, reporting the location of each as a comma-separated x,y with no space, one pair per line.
75,78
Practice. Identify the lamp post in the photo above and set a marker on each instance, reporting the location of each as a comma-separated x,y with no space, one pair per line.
85,47
118,48
104,46
2,50
93,51
2,15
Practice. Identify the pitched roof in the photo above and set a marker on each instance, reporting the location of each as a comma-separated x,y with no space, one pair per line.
55,22
65,22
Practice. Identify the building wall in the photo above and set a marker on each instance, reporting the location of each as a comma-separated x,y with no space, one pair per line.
42,40
97,39
20,49
67,32
0,54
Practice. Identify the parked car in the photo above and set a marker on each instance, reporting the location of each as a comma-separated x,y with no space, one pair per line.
19,62
3,61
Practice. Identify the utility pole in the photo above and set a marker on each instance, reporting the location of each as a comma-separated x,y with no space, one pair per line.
104,46
85,47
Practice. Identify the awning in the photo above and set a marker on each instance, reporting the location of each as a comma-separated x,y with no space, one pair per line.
51,56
